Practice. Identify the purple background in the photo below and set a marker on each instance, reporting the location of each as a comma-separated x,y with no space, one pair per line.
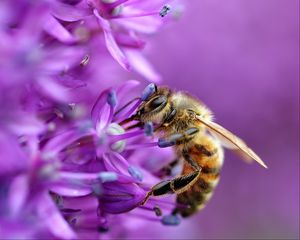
241,57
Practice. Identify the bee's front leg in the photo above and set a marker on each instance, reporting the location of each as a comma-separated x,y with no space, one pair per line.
178,138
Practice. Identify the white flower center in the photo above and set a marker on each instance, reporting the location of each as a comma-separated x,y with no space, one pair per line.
117,10
116,129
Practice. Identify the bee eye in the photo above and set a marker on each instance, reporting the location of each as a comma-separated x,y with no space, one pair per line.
157,102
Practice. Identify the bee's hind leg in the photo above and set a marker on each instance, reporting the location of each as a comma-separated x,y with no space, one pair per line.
176,185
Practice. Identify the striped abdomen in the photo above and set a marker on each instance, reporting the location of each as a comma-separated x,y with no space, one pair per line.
209,156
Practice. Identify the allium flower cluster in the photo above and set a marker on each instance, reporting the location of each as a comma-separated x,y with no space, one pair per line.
68,169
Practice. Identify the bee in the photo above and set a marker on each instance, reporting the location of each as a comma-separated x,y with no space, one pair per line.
184,122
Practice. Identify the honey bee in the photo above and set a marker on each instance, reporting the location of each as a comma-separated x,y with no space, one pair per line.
184,122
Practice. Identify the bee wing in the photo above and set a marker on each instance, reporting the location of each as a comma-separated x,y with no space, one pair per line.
229,140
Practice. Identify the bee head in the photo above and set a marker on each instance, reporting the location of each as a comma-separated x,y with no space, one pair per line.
155,102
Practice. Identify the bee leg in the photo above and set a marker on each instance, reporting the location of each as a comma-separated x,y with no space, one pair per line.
176,185
177,138
188,158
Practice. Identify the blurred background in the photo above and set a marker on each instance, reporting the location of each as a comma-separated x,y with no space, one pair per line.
241,58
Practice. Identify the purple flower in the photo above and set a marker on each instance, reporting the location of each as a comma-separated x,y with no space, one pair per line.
119,22
69,167
28,65
92,171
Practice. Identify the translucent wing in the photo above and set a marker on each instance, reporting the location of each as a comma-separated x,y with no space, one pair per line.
229,140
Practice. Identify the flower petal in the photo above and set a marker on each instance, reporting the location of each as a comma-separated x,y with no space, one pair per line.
68,12
126,88
71,190
120,198
18,193
61,59
110,41
102,112
140,64
13,159
61,141
140,22
53,90
55,29
51,216
25,124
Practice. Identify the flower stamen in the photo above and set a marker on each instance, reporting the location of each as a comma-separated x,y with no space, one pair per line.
148,91
170,220
135,173
164,11
112,98
148,129
85,60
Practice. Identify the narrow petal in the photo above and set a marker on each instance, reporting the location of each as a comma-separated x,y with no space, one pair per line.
51,216
55,29
98,107
59,59
141,65
104,118
83,203
130,41
111,44
53,90
13,159
141,21
141,4
68,12
117,164
18,194
25,124
130,111
103,109
120,198
71,189
61,141
88,178
126,88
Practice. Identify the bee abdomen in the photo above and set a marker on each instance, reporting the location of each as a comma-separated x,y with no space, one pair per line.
198,195
208,154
